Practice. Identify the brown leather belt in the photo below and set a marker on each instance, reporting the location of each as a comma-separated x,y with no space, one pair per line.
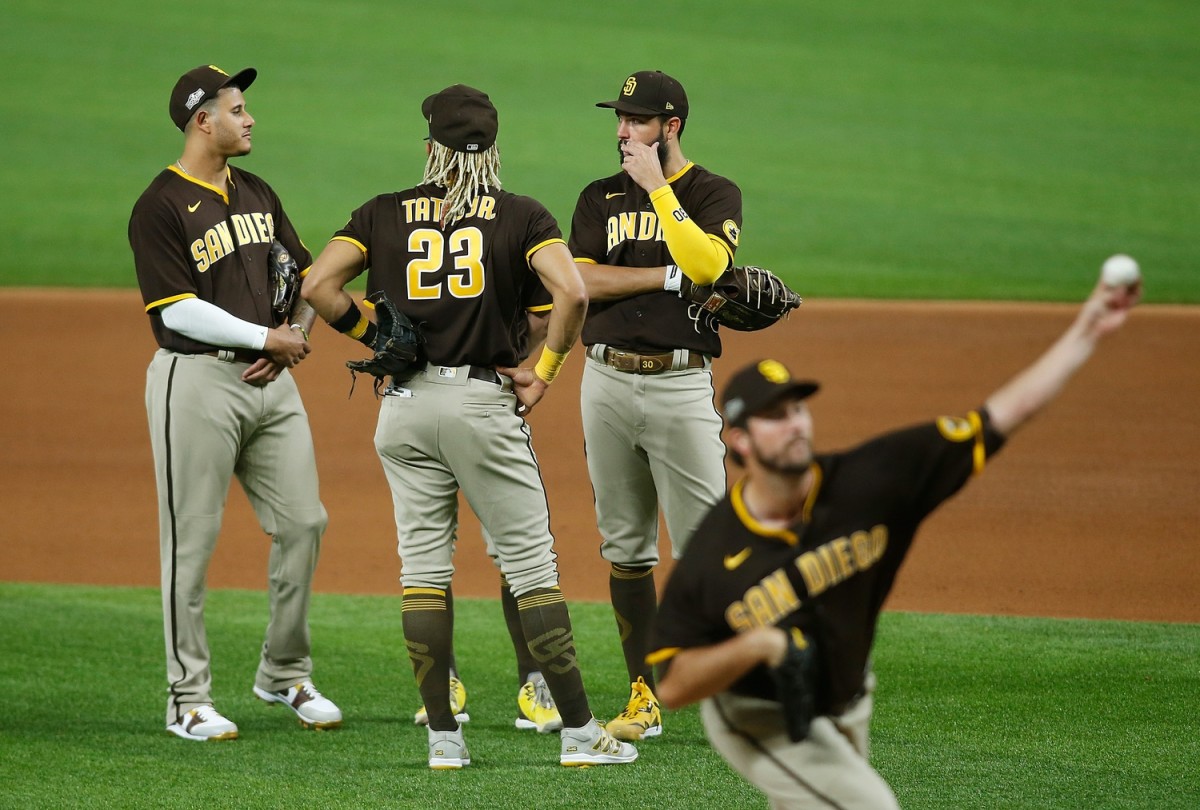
234,355
634,363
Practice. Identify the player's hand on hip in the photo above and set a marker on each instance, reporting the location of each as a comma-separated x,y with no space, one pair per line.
286,346
642,165
528,387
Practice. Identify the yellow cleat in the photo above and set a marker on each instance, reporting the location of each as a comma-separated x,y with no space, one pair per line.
642,717
458,704
536,709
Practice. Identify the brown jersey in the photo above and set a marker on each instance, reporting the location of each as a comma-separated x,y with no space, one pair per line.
616,224
190,240
830,572
468,284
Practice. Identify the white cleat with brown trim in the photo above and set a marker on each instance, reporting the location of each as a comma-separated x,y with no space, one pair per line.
205,724
314,709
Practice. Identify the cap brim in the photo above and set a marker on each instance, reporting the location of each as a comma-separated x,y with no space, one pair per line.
800,389
242,79
626,107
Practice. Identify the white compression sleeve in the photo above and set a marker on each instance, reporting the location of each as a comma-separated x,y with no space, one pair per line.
208,323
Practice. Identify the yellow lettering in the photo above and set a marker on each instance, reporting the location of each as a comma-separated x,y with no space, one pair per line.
242,229
860,542
647,226
841,556
816,580
270,226
879,541
409,209
200,255
759,606
264,232
782,594
735,617
483,208
830,563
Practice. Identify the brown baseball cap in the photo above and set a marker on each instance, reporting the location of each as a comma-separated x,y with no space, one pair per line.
650,92
461,118
200,84
758,386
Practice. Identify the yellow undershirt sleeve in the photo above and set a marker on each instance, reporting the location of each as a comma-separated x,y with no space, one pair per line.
692,249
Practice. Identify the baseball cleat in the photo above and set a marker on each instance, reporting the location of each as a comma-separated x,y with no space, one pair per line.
314,709
642,717
448,750
206,724
593,745
458,704
536,709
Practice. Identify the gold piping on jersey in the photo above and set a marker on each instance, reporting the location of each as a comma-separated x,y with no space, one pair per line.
686,168
202,184
979,454
162,302
666,653
352,241
961,429
817,477
529,253
739,508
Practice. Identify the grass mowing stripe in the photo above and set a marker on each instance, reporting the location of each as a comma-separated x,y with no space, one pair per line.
972,712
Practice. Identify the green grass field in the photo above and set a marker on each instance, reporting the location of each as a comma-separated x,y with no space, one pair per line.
910,149
973,712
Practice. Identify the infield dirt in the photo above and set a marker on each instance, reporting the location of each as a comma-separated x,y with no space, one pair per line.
1091,511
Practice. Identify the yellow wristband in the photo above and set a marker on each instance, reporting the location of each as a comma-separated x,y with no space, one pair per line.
551,363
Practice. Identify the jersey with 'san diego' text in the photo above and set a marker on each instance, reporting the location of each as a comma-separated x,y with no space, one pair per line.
616,224
828,574
469,284
190,240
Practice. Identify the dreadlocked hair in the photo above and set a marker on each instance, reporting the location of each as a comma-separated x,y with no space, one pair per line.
463,174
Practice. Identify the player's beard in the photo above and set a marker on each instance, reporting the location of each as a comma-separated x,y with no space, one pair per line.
793,459
662,149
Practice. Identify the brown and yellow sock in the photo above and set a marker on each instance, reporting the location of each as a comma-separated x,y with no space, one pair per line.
512,618
635,604
427,634
547,627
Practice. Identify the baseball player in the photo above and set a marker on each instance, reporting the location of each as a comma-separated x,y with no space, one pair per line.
650,428
535,705
770,616
221,401
464,258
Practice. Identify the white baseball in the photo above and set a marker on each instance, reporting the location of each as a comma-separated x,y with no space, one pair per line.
1120,271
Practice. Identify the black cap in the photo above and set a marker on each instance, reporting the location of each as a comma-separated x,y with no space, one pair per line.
758,386
461,118
426,109
650,92
200,84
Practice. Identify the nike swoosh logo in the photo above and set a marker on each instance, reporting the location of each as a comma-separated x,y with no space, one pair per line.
192,208
732,561
612,194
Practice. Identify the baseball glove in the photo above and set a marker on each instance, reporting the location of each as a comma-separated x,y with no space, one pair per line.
284,278
796,684
397,345
744,298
